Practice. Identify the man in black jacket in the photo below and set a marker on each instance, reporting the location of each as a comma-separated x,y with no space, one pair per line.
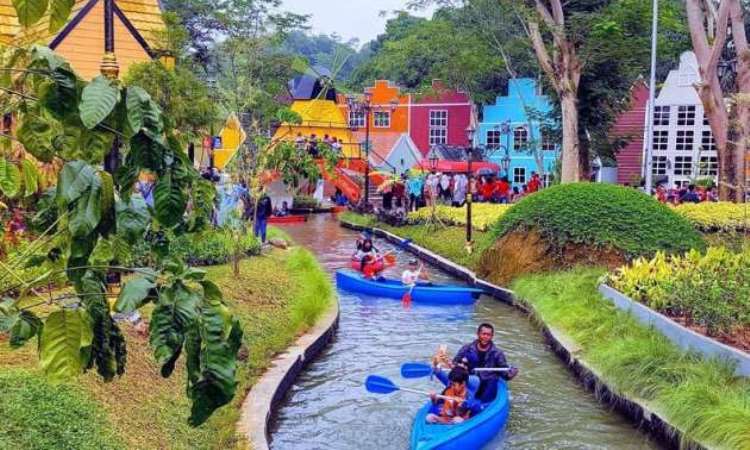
482,353
264,211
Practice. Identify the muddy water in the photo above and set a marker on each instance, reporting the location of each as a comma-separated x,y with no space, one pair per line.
328,407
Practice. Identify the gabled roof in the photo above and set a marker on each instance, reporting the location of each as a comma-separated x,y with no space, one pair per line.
143,18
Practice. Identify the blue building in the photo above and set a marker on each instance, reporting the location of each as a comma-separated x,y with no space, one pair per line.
513,128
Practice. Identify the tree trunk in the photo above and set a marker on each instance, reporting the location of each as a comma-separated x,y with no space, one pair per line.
571,167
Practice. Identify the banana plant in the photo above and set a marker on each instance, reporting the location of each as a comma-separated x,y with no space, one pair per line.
96,218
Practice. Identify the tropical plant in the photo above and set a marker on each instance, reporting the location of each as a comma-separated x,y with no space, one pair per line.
711,290
97,220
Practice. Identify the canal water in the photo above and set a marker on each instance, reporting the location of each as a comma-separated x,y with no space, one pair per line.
329,408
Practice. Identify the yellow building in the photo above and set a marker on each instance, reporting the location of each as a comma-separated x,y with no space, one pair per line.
137,24
320,118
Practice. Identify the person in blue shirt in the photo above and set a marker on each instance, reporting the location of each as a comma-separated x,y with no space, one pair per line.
482,353
414,187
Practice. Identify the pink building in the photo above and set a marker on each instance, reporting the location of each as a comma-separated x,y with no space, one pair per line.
440,117
631,126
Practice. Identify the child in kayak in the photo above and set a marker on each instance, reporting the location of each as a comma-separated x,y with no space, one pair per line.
461,406
366,254
413,274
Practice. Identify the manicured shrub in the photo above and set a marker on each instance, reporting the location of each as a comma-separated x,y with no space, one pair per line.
601,215
719,216
210,247
711,290
38,415
305,201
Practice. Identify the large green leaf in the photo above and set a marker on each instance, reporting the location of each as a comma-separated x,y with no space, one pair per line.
133,294
76,177
45,58
60,93
36,135
30,11
59,12
30,177
24,329
170,201
137,103
214,384
98,100
175,312
65,341
10,178
87,214
132,219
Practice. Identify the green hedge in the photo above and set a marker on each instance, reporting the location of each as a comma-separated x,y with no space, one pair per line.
602,215
208,248
38,415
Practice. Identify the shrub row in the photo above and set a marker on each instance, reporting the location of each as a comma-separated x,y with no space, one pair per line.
711,290
712,217
483,215
207,248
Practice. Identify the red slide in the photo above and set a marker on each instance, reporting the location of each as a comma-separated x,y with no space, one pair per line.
342,181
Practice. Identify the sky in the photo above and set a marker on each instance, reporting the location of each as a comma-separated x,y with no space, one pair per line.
348,18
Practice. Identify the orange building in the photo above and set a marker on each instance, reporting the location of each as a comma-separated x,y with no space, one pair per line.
389,119
137,24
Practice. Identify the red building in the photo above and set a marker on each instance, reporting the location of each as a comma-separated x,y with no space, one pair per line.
631,126
440,117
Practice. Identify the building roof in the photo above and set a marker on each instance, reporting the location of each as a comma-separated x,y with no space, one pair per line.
144,15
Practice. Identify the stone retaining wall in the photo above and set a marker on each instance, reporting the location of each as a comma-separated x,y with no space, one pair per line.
682,337
634,409
264,397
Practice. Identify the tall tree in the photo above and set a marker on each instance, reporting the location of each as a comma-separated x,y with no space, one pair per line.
717,30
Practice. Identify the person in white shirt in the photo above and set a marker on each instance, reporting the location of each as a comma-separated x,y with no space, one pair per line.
413,274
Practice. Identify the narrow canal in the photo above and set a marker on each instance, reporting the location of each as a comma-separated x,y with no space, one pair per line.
329,408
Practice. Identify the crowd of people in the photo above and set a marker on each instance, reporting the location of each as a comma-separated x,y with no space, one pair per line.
311,144
415,191
690,193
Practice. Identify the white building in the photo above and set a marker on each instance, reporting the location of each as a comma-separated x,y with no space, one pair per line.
684,147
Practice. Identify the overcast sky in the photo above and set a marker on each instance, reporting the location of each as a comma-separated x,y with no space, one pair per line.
348,18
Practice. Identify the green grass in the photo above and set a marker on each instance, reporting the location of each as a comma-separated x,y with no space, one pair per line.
39,415
277,297
701,397
448,241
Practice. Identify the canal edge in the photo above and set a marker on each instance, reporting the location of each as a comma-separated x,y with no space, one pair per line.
261,402
636,410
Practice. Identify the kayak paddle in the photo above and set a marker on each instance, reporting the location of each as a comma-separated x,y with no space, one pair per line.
419,370
416,370
382,385
406,299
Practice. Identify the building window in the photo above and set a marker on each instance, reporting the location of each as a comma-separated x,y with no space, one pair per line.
548,144
659,164
661,140
706,123
708,142
686,115
493,138
709,166
356,119
684,141
683,165
438,127
661,115
520,138
382,119
519,175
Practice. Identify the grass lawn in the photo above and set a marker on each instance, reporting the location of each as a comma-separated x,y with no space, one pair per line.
142,410
448,241
701,397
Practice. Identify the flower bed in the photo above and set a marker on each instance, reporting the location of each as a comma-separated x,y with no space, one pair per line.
712,217
709,293
483,215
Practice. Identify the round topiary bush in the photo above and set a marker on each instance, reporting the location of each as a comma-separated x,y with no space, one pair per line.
583,223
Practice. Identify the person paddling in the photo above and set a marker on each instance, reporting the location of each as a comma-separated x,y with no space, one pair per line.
367,254
414,273
459,404
483,353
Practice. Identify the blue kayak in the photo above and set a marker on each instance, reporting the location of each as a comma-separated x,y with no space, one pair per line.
423,292
474,433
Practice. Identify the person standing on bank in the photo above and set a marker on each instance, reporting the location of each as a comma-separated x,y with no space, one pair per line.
482,353
264,211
